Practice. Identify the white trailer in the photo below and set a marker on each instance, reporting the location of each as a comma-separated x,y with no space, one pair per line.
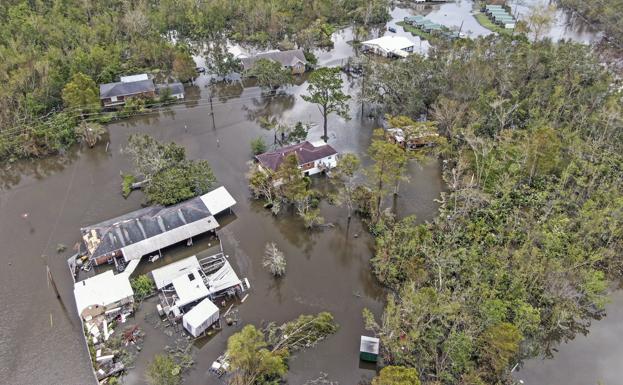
201,317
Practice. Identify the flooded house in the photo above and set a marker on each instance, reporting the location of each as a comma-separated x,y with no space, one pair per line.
133,86
172,90
389,46
293,60
137,86
149,230
312,157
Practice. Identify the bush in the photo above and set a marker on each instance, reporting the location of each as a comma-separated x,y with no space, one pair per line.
142,286
258,146
163,371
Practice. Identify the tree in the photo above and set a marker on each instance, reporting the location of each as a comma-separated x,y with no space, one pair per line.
388,168
183,66
285,133
500,343
274,260
81,94
169,177
220,61
262,184
251,362
150,156
90,133
397,375
270,75
258,146
325,90
142,286
185,180
163,371
343,176
294,189
540,19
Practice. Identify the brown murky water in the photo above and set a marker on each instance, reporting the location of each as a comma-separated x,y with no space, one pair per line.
327,270
45,202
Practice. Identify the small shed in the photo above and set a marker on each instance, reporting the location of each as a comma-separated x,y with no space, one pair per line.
369,349
201,317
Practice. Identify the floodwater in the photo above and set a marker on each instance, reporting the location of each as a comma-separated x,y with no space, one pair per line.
328,270
587,360
565,27
44,202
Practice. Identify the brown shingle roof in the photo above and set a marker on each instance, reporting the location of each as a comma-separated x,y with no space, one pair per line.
305,153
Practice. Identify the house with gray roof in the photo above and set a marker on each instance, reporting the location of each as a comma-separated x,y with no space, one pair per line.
116,94
175,90
294,60
312,157
151,229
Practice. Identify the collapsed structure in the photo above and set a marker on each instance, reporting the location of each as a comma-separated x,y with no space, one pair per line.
154,228
187,286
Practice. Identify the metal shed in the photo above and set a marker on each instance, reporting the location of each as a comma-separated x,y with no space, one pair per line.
201,317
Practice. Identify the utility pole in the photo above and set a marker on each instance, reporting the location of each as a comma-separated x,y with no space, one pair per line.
212,110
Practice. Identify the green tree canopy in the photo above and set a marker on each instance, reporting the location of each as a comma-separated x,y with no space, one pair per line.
163,371
183,181
81,93
270,74
397,375
325,90
251,362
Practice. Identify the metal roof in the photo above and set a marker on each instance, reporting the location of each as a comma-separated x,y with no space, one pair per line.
102,290
153,228
189,288
164,276
218,200
369,345
390,43
168,238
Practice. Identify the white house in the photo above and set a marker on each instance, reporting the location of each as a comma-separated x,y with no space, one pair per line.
313,157
390,46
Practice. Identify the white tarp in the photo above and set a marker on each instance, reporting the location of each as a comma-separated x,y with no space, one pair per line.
165,275
160,241
200,317
189,287
218,200
104,290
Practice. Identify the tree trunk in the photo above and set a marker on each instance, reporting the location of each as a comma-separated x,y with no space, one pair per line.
324,115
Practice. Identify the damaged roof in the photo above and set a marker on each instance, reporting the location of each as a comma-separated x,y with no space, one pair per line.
305,152
162,226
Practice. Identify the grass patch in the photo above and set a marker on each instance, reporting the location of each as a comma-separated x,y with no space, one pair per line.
126,184
490,25
415,31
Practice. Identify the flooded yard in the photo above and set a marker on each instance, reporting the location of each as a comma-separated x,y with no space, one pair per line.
44,203
327,269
